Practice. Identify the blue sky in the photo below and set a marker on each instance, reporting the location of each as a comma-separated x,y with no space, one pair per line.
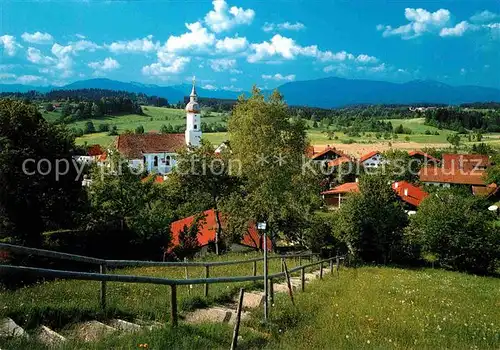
235,44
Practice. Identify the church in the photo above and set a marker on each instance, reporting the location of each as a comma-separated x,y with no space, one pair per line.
156,152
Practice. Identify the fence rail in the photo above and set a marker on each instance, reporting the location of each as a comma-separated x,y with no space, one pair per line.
103,277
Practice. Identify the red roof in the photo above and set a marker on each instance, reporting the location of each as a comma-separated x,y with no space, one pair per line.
344,188
208,229
368,156
326,150
452,176
423,154
466,162
409,192
158,179
133,146
95,150
339,161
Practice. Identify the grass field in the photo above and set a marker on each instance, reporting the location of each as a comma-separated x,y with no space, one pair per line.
363,308
389,308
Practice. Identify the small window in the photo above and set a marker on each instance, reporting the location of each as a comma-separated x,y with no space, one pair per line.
167,160
155,162
195,126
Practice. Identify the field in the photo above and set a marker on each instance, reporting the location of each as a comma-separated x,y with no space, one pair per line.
155,117
389,308
367,307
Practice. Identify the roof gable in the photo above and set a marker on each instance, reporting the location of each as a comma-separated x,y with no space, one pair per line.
133,146
409,193
368,156
344,188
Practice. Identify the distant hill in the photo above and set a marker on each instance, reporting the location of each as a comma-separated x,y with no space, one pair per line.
327,93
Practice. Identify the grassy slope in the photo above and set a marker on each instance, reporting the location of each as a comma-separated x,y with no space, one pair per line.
58,303
391,308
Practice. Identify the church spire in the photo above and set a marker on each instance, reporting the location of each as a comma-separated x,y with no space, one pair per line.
193,96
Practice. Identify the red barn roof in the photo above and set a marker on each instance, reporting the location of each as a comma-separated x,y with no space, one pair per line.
409,192
339,161
208,228
466,162
423,154
95,150
452,176
133,146
344,188
328,150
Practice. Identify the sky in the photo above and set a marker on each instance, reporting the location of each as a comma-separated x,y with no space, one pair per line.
233,45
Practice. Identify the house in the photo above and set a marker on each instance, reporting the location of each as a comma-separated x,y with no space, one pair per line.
458,169
326,155
423,157
156,152
410,194
208,227
334,197
340,161
372,160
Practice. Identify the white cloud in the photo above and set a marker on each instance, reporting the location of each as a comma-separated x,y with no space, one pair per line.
10,46
484,17
29,79
80,36
167,65
198,38
108,64
209,87
37,38
222,18
64,53
36,56
143,45
271,27
366,59
421,21
224,64
231,45
457,30
279,77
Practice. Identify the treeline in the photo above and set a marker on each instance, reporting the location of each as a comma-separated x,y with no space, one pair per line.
71,112
461,119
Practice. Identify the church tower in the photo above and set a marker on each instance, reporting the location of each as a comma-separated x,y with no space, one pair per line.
193,123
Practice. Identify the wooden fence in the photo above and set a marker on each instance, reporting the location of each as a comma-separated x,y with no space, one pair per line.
103,277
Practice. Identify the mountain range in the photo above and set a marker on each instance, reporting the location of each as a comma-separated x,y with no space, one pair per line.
327,92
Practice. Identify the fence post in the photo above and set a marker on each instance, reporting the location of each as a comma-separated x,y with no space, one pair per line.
282,264
338,263
321,271
173,305
300,260
103,270
287,276
234,343
331,266
302,279
271,291
187,277
255,268
207,275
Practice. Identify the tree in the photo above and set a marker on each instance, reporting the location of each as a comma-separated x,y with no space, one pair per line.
89,128
270,147
113,131
139,129
454,139
96,111
371,222
49,107
203,171
457,229
35,200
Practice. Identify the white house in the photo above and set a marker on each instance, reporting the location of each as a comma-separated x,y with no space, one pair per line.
157,152
372,160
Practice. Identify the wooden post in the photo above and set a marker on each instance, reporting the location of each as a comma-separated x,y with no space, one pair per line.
103,270
321,271
173,305
303,279
300,260
255,268
282,264
187,277
338,263
207,275
234,343
266,285
287,275
331,266
271,291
